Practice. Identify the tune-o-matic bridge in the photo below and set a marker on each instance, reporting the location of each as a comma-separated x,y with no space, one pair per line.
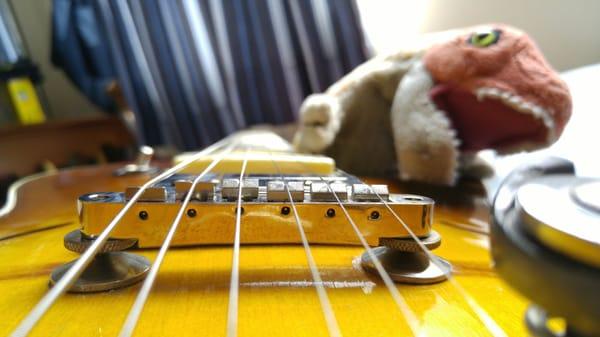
266,214
334,209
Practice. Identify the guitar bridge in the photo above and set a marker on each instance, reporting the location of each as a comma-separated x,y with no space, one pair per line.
266,218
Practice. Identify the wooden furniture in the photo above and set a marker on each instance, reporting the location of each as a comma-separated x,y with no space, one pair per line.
24,149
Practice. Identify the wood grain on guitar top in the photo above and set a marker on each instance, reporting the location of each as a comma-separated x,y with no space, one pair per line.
276,293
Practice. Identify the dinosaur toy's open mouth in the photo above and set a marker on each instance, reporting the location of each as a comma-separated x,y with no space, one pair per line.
491,118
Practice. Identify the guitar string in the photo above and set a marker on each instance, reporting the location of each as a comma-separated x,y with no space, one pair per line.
330,320
73,273
136,309
409,315
483,316
232,308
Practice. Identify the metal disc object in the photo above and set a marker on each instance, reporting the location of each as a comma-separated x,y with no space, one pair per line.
403,267
107,271
587,195
559,211
433,241
76,242
545,244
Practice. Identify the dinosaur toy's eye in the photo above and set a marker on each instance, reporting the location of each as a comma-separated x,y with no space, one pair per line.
485,38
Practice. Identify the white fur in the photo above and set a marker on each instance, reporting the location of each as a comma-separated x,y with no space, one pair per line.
321,114
320,118
426,145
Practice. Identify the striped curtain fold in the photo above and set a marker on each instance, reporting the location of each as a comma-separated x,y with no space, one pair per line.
194,71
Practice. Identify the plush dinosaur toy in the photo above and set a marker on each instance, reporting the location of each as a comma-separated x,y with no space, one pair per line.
423,115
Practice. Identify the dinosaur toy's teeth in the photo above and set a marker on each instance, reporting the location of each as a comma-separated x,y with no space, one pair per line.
519,104
515,101
482,93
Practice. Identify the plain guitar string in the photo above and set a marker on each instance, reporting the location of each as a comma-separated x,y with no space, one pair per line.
46,302
409,315
136,309
483,316
330,320
234,285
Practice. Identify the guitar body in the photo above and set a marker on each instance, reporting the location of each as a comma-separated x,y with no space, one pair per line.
276,294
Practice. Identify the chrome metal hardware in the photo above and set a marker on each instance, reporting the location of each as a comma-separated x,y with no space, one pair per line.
319,191
276,190
157,193
230,189
204,190
364,192
141,164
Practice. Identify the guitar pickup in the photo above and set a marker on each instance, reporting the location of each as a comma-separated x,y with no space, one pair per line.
156,193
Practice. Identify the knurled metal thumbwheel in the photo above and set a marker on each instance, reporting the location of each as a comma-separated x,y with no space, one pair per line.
403,267
76,242
409,245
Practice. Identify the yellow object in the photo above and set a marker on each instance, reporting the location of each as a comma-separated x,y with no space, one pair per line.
190,295
276,297
262,222
262,162
25,101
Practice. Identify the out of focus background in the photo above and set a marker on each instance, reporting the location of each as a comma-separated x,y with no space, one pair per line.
566,31
87,81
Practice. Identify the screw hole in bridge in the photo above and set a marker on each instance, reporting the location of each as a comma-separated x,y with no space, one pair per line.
143,215
285,210
330,213
191,212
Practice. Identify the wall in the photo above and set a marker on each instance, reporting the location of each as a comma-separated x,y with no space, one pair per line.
34,17
568,32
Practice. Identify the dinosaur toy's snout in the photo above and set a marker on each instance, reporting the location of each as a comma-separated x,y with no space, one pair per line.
498,90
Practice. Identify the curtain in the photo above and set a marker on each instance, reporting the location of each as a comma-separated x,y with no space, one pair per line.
80,49
194,71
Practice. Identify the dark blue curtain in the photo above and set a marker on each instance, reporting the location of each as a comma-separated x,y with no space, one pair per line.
80,49
194,71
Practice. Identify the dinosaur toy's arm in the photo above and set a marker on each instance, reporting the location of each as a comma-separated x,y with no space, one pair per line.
321,115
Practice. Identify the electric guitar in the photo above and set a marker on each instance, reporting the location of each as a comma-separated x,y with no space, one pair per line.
243,240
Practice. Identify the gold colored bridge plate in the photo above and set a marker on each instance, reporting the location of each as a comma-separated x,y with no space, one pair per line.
211,223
